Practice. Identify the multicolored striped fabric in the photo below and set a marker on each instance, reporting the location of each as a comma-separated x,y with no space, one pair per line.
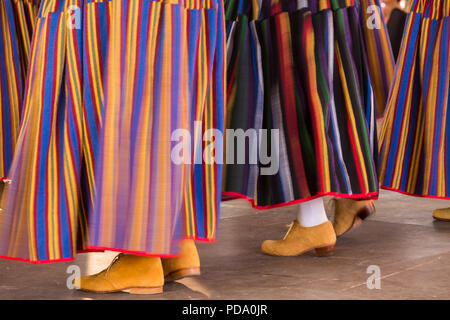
415,139
316,72
16,23
46,205
167,58
379,53
137,69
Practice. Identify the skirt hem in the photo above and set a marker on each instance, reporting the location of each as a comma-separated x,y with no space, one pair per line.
90,249
414,195
236,195
37,262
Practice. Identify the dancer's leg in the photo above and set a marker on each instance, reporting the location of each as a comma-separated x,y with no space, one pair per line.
312,213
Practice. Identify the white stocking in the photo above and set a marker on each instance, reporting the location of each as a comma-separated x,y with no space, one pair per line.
312,213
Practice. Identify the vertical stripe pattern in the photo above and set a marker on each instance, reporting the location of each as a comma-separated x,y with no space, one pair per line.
316,72
415,140
167,60
46,206
109,82
16,26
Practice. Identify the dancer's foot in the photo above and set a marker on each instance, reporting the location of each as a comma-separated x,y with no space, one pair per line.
186,265
349,214
299,240
442,214
128,273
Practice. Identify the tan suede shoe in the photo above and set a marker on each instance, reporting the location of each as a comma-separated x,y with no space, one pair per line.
299,240
186,265
442,214
349,214
129,273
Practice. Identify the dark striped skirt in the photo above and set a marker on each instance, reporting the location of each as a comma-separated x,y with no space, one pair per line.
315,75
415,140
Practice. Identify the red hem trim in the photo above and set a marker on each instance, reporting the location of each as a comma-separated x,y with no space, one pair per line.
139,253
89,251
37,262
103,249
47,261
198,239
367,196
414,195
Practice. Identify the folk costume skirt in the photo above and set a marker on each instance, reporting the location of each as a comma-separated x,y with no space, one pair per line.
317,73
16,22
109,83
415,140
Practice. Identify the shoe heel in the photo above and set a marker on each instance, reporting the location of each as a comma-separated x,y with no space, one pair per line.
324,251
182,273
366,212
154,290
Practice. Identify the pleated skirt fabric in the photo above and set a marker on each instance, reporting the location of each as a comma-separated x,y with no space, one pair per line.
415,140
174,82
109,81
316,73
16,22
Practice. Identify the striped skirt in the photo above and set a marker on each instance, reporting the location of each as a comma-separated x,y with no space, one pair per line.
311,76
415,141
109,82
16,23
150,193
